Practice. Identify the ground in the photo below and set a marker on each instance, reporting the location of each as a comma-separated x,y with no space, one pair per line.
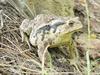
17,59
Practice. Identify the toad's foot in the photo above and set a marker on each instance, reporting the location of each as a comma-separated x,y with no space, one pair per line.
25,38
74,62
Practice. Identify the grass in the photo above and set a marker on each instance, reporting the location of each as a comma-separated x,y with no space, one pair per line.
1,19
15,56
89,33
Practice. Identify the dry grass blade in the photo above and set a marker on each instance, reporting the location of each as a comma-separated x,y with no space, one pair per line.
21,7
1,19
17,48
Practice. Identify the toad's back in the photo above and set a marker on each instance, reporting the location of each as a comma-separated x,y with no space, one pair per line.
56,29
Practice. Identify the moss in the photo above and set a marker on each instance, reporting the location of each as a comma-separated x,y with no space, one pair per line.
30,8
57,7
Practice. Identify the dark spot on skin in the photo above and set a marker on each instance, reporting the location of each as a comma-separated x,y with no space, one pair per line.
44,30
56,24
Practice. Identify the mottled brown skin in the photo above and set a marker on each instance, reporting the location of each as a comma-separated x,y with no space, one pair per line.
53,33
28,25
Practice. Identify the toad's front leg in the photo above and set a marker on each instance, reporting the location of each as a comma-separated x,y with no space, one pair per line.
25,38
74,56
43,54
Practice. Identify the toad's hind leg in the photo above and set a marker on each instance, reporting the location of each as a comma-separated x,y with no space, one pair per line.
44,55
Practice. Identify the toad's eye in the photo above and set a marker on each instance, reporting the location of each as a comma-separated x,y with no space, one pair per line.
71,23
